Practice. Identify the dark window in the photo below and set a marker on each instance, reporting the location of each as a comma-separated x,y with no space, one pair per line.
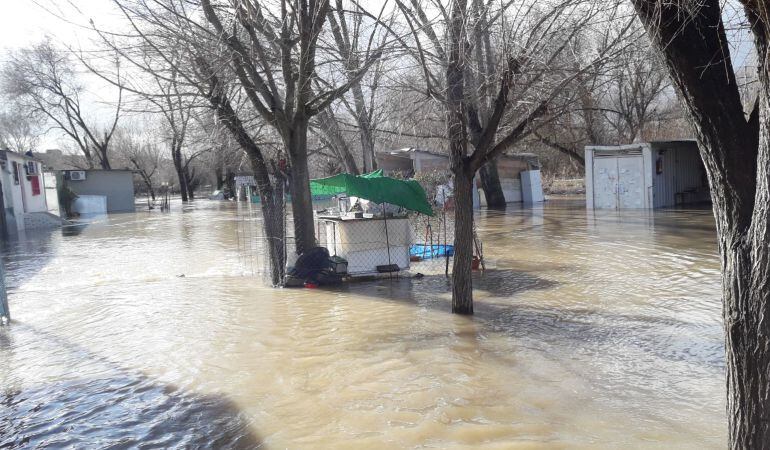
15,172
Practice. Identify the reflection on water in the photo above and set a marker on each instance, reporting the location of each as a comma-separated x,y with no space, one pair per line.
591,330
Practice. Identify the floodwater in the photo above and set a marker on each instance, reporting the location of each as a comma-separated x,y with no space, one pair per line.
591,331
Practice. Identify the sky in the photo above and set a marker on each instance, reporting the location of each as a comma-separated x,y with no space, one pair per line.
25,22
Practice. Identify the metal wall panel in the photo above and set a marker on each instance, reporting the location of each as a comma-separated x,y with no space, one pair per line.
682,172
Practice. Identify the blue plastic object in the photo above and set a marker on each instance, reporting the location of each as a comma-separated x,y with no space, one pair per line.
425,251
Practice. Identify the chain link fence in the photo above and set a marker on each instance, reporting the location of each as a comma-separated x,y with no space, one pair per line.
391,246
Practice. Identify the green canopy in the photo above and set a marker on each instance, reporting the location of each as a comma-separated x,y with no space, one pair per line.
376,188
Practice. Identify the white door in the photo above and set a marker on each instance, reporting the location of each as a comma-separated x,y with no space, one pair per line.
631,182
605,182
618,182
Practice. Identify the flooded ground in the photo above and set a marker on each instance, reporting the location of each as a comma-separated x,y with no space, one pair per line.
591,332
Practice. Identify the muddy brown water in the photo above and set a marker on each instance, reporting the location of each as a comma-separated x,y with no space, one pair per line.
592,331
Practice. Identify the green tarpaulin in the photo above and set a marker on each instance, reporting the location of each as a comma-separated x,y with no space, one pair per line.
376,188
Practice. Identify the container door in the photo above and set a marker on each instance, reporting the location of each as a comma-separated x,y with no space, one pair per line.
605,182
631,182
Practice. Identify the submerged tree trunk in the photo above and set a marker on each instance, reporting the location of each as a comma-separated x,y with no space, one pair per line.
490,182
736,153
176,156
457,133
190,182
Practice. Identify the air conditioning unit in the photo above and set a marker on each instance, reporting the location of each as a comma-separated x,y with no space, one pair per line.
77,175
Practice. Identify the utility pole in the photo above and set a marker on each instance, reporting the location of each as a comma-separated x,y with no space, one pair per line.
5,313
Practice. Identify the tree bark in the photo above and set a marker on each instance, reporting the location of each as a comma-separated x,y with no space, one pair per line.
457,132
490,182
176,157
462,284
295,140
736,153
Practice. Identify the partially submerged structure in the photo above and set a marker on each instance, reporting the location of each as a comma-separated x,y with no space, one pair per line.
519,173
369,229
100,191
25,193
646,175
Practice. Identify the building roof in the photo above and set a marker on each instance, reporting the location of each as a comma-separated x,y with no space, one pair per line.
636,145
4,155
407,151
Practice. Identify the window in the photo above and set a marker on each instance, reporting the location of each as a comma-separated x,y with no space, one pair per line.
15,173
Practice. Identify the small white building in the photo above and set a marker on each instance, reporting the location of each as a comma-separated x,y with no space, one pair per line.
519,173
24,193
645,175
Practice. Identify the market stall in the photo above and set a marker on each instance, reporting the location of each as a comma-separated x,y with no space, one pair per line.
368,227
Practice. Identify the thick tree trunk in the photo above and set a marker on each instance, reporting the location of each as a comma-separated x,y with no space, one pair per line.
462,283
103,158
218,175
490,182
176,156
301,200
189,183
736,154
457,133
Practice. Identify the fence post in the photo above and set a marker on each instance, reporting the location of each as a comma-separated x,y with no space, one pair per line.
5,313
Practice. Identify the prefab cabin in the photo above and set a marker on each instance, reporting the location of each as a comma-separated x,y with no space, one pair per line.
647,175
24,192
100,191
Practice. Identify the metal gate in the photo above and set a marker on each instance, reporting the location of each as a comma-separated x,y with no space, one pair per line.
618,181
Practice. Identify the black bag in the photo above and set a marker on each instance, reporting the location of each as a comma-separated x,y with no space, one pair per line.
310,263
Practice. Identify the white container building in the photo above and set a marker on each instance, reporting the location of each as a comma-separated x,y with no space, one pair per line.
646,175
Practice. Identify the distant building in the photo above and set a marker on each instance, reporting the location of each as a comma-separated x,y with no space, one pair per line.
513,170
645,175
25,193
100,191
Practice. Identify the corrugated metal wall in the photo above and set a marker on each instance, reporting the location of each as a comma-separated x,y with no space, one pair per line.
682,171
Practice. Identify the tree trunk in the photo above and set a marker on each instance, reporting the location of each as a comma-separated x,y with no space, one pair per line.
490,182
176,156
736,154
457,133
189,183
462,284
367,146
218,172
103,159
301,200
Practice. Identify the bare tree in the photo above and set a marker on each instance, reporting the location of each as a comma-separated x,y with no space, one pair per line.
637,84
43,80
735,148
274,58
529,91
139,153
18,132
